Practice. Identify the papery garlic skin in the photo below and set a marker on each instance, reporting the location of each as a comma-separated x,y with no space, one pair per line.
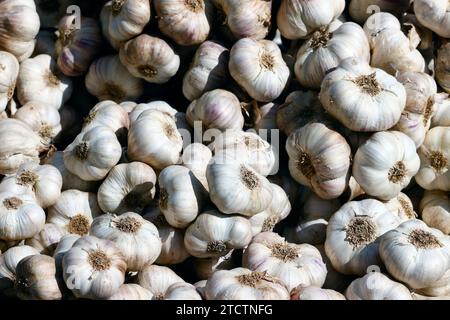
434,172
434,15
320,159
442,62
244,284
9,71
128,187
208,70
316,293
129,232
108,79
161,106
352,232
196,157
158,280
131,291
297,19
415,254
439,289
47,239
376,102
19,25
93,154
385,164
64,245
182,291
214,234
435,210
441,117
186,22
326,49
94,268
149,58
40,81
377,286
401,206
360,10
259,68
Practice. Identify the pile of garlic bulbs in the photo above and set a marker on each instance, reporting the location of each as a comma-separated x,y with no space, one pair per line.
225,150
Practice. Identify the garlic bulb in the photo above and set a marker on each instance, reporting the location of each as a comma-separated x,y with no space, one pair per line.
93,153
36,279
377,286
439,288
293,264
442,62
196,157
186,22
64,245
40,81
415,254
181,195
20,216
441,117
77,47
42,118
435,210
149,58
376,102
259,68
108,79
47,239
19,25
182,291
129,232
316,293
244,284
218,109
248,19
392,51
236,188
214,234
352,232
124,19
402,207
360,10
320,159
74,211
131,291
385,164
173,250
42,181
297,19
326,49
208,70
154,139
435,15
9,71
434,173
248,148
161,106
8,264
94,268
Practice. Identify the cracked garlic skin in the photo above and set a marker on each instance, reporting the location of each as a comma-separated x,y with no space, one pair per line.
297,19
214,234
385,164
360,10
415,254
352,233
377,286
259,68
435,15
9,71
377,98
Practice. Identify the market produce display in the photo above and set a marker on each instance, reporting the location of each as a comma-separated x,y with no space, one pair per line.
225,150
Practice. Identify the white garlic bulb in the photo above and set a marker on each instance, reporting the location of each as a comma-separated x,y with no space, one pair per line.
93,153
442,62
131,291
402,207
236,188
244,284
129,232
40,81
441,117
434,172
149,58
74,211
320,159
435,210
326,49
154,139
9,71
377,98
377,286
297,19
360,10
108,79
259,68
196,157
316,293
47,239
435,15
161,106
393,161
415,254
214,234
439,288
186,22
352,232
128,187
294,264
